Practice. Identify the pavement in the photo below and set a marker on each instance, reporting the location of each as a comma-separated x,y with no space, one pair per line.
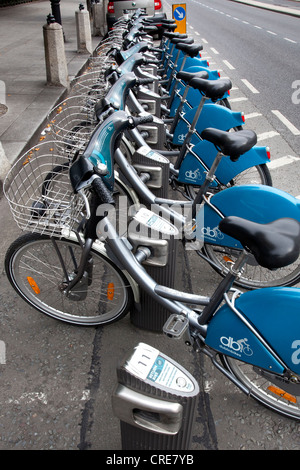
25,97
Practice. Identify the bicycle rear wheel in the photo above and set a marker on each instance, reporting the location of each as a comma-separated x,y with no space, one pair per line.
37,267
283,398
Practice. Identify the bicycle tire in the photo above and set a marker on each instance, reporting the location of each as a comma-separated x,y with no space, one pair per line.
259,388
254,276
34,271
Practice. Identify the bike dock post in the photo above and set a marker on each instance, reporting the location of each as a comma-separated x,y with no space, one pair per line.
150,230
155,399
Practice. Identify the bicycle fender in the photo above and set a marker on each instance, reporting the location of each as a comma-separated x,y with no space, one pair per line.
258,203
274,313
192,62
212,115
228,334
227,169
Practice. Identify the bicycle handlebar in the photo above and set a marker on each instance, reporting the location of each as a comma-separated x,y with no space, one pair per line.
102,191
136,121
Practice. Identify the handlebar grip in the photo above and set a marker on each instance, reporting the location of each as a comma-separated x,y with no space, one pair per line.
136,121
102,191
145,81
152,61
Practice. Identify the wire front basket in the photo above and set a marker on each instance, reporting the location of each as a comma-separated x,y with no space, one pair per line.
73,121
91,86
39,191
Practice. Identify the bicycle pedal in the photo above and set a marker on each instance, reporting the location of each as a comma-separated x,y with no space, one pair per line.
175,326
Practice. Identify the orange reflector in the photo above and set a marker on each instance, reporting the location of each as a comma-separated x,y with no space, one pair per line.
110,291
227,259
282,394
33,285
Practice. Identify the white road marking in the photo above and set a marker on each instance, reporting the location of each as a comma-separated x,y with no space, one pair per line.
282,161
248,85
286,122
228,64
272,32
290,40
214,50
252,115
236,100
267,135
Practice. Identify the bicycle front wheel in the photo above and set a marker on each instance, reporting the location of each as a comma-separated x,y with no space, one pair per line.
268,391
38,267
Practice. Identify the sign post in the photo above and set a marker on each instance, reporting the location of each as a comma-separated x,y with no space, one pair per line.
179,15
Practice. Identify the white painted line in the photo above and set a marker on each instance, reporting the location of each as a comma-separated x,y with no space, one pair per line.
298,197
252,115
257,27
214,50
246,22
191,27
271,32
235,100
267,135
197,34
286,122
290,40
282,161
228,64
248,85
204,41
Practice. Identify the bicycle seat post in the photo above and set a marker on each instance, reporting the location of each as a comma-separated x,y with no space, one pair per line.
189,134
209,178
181,104
224,286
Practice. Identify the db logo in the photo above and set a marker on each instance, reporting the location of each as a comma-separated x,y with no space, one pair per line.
212,232
181,137
239,346
193,174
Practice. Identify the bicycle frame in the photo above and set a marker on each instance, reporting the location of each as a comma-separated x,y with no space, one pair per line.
254,318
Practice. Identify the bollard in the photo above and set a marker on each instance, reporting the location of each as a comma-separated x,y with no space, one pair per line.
99,19
83,28
55,58
155,400
150,230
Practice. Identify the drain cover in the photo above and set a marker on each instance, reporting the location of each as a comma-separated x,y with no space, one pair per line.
3,109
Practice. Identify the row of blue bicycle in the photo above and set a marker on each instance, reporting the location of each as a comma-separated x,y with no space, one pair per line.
153,119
